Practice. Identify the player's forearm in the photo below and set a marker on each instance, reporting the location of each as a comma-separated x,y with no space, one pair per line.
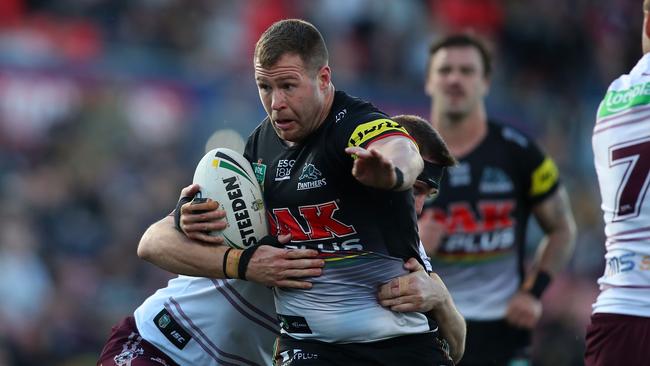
404,155
167,248
452,328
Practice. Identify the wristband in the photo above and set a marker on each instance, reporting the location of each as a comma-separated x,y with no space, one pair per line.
231,262
542,281
244,259
399,180
177,212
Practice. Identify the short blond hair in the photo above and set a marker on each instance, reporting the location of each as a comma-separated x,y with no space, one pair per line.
646,5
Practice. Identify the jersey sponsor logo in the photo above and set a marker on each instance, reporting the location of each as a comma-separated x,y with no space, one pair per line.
173,331
626,262
294,324
544,178
319,218
283,170
619,100
366,133
310,178
295,354
495,180
460,175
340,115
260,172
470,237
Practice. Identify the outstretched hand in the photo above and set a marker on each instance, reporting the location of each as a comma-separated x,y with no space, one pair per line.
199,219
371,168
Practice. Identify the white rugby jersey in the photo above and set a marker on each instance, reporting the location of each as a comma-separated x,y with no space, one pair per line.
203,321
621,144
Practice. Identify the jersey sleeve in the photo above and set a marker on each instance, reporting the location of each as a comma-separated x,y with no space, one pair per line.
538,170
374,128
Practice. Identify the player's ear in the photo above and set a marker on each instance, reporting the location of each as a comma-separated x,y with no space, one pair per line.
324,77
646,24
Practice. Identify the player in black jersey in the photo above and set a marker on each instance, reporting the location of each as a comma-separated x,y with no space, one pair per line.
355,231
337,175
475,231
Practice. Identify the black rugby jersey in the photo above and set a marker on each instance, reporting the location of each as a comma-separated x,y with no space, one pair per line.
485,204
364,234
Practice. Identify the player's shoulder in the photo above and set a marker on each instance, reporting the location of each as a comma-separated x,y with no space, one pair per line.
350,110
509,135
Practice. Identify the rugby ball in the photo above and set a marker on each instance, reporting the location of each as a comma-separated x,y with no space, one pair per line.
226,177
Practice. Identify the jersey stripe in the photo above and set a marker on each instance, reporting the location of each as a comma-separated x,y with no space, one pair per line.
201,338
246,303
242,311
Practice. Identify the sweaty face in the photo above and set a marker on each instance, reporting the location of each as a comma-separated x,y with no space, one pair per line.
292,96
456,81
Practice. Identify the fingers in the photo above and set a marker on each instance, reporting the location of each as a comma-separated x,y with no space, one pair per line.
413,265
394,288
300,273
284,238
290,283
204,237
190,190
302,253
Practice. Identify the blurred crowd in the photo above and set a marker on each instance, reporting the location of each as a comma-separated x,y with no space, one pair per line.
106,106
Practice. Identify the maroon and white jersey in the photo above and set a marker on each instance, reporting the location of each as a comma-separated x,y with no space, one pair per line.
204,321
621,144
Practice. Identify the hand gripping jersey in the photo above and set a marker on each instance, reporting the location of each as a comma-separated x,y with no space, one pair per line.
363,234
202,321
484,207
621,144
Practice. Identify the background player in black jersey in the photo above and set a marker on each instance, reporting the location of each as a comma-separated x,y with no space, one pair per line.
475,231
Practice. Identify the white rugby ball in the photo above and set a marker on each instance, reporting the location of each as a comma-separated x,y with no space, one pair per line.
226,177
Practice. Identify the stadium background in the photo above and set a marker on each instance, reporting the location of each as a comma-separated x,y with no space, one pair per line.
106,105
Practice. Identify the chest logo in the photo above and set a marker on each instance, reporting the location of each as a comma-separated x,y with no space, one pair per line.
310,178
495,180
283,171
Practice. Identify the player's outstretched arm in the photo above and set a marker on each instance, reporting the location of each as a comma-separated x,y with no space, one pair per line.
390,163
426,293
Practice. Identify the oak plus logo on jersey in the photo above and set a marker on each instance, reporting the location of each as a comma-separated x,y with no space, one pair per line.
283,170
310,178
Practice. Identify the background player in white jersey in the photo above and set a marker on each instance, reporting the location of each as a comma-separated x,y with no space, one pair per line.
619,333
475,231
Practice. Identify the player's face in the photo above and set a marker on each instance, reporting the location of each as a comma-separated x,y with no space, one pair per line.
422,192
293,97
645,33
456,81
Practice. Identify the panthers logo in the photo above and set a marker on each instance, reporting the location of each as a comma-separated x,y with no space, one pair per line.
310,172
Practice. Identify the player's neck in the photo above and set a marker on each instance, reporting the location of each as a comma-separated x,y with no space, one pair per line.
462,135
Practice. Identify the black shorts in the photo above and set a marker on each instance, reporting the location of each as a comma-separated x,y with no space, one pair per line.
616,339
495,343
411,350
125,347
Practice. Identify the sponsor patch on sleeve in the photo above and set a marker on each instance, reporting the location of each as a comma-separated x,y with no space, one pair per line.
544,177
173,331
368,132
